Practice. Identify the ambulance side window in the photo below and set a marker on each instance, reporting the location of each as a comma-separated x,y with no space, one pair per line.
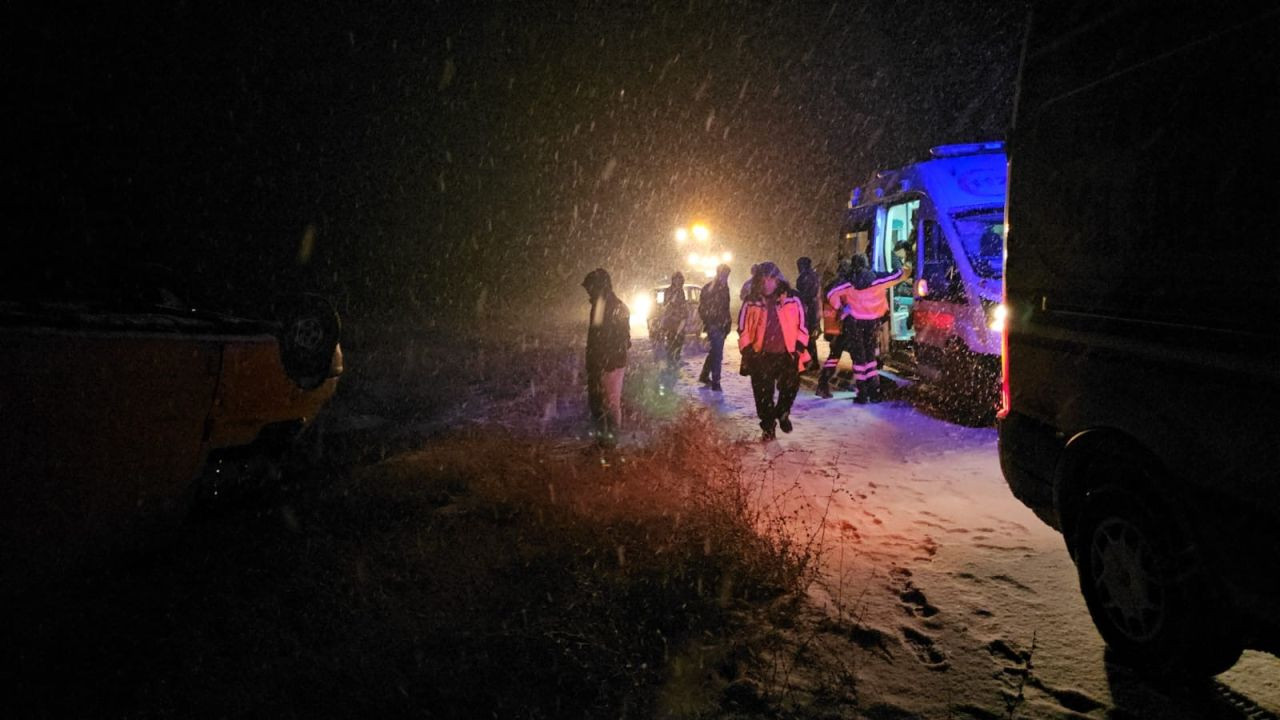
940,267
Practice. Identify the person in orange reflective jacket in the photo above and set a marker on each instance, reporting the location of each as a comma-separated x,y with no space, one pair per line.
862,302
772,337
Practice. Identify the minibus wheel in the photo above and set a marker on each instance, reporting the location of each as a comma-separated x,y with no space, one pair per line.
1147,587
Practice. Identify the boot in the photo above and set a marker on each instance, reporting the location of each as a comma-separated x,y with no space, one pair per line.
768,431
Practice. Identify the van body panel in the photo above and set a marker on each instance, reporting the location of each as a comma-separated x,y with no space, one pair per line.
1141,273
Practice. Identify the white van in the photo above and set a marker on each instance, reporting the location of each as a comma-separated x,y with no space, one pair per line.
949,209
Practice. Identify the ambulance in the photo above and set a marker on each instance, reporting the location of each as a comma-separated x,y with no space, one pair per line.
945,213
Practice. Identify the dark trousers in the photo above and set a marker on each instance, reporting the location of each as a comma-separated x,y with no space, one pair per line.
865,350
770,372
715,355
837,347
813,348
673,348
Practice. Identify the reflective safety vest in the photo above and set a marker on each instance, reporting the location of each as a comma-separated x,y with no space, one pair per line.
868,303
754,315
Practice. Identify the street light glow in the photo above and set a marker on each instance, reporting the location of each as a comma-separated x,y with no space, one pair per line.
681,235
726,256
701,232
693,259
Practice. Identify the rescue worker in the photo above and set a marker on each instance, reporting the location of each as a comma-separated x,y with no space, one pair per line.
771,336
675,313
865,300
713,309
608,338
832,331
807,288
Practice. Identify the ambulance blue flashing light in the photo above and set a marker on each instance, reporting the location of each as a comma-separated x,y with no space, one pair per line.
960,149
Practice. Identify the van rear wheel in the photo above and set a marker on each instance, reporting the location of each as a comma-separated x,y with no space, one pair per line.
1147,588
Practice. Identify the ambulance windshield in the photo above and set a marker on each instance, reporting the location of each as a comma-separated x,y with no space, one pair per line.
981,233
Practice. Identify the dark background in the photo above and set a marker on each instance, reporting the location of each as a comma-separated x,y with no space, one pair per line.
432,159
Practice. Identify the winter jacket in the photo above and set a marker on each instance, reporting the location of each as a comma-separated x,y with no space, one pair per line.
808,287
754,316
830,315
675,310
865,296
609,334
713,307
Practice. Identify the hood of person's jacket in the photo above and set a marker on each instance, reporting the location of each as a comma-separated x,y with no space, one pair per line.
598,283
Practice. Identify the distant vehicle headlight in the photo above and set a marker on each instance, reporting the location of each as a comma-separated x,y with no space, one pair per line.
640,308
996,317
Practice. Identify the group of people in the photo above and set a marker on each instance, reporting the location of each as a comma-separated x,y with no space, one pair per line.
777,323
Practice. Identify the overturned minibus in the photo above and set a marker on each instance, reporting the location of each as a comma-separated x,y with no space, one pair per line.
945,216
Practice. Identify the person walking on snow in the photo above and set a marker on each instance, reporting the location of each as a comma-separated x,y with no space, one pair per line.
608,339
865,299
675,313
808,287
713,309
772,337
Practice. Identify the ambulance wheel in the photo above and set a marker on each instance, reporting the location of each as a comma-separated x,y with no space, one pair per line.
1147,586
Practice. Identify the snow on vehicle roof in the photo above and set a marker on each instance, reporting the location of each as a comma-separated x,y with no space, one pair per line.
955,176
93,318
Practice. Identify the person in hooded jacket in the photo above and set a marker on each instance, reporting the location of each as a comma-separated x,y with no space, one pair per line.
862,302
675,314
608,339
713,309
808,287
773,339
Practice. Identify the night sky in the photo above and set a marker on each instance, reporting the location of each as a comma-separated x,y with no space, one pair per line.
433,154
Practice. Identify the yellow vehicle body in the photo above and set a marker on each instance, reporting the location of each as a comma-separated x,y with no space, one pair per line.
107,422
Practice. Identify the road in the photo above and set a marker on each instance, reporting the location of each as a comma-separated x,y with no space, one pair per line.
951,597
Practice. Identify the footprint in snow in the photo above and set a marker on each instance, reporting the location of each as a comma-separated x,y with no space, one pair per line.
926,523
915,603
1004,548
1003,652
1012,583
924,648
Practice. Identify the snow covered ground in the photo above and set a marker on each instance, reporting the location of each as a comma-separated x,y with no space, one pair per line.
953,599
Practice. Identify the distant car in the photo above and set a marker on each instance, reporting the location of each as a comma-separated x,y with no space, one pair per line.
692,325
111,417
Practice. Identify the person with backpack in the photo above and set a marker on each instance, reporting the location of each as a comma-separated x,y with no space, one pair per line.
608,339
772,337
713,309
862,302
